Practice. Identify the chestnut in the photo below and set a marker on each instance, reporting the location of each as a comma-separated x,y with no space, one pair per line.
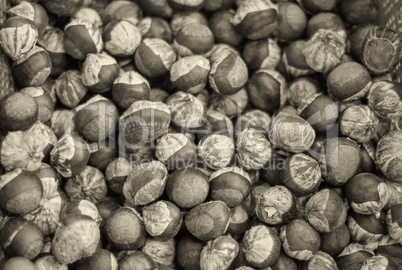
379,262
49,261
155,27
321,112
368,198
90,185
21,191
326,20
358,11
116,174
239,221
89,14
267,90
382,91
193,5
339,160
125,229
292,21
221,26
36,13
301,174
193,38
81,207
231,185
359,123
300,240
122,10
367,230
145,183
230,105
335,241
216,150
102,259
262,54
189,251
320,259
294,61
256,19
20,237
76,238
81,38
353,256
391,248
208,220
69,88
96,119
136,260
70,155
326,211
18,263
154,57
394,222
179,19
44,101
121,38
211,255
156,8
15,46
19,111
64,7
107,151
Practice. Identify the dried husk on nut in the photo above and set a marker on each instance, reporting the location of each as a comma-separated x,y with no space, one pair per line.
90,185
394,222
89,14
116,174
125,229
121,38
293,61
81,207
219,253
353,256
69,88
52,41
179,19
378,262
261,246
367,230
231,185
162,252
96,119
187,111
49,262
7,80
154,57
81,38
130,87
190,74
359,123
390,248
387,155
70,155
384,98
208,220
262,54
18,35
135,259
99,72
145,121
267,85
76,238
26,149
58,122
33,12
324,50
230,105
302,89
300,240
155,27
320,260
162,219
20,237
367,194
176,150
302,174
239,221
291,133
216,150
256,19
145,183
256,119
32,68
339,160
228,73
276,205
326,211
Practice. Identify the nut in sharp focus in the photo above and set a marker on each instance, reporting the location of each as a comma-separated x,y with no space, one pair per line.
216,150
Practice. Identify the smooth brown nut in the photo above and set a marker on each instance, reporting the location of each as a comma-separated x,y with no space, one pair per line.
300,240
315,6
44,101
101,259
159,8
154,57
21,191
187,187
391,248
18,35
221,26
262,54
125,229
20,237
358,11
335,241
189,250
81,38
344,86
130,87
107,151
65,7
132,260
208,220
192,39
181,5
19,111
76,238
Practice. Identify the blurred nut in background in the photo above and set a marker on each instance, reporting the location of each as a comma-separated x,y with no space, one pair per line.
122,10
155,27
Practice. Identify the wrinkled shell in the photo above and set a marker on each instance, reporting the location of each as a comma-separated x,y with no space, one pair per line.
219,253
216,150
322,261
89,185
116,174
77,237
81,207
388,155
253,149
70,88
359,123
26,149
394,222
187,111
385,100
162,252
121,38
